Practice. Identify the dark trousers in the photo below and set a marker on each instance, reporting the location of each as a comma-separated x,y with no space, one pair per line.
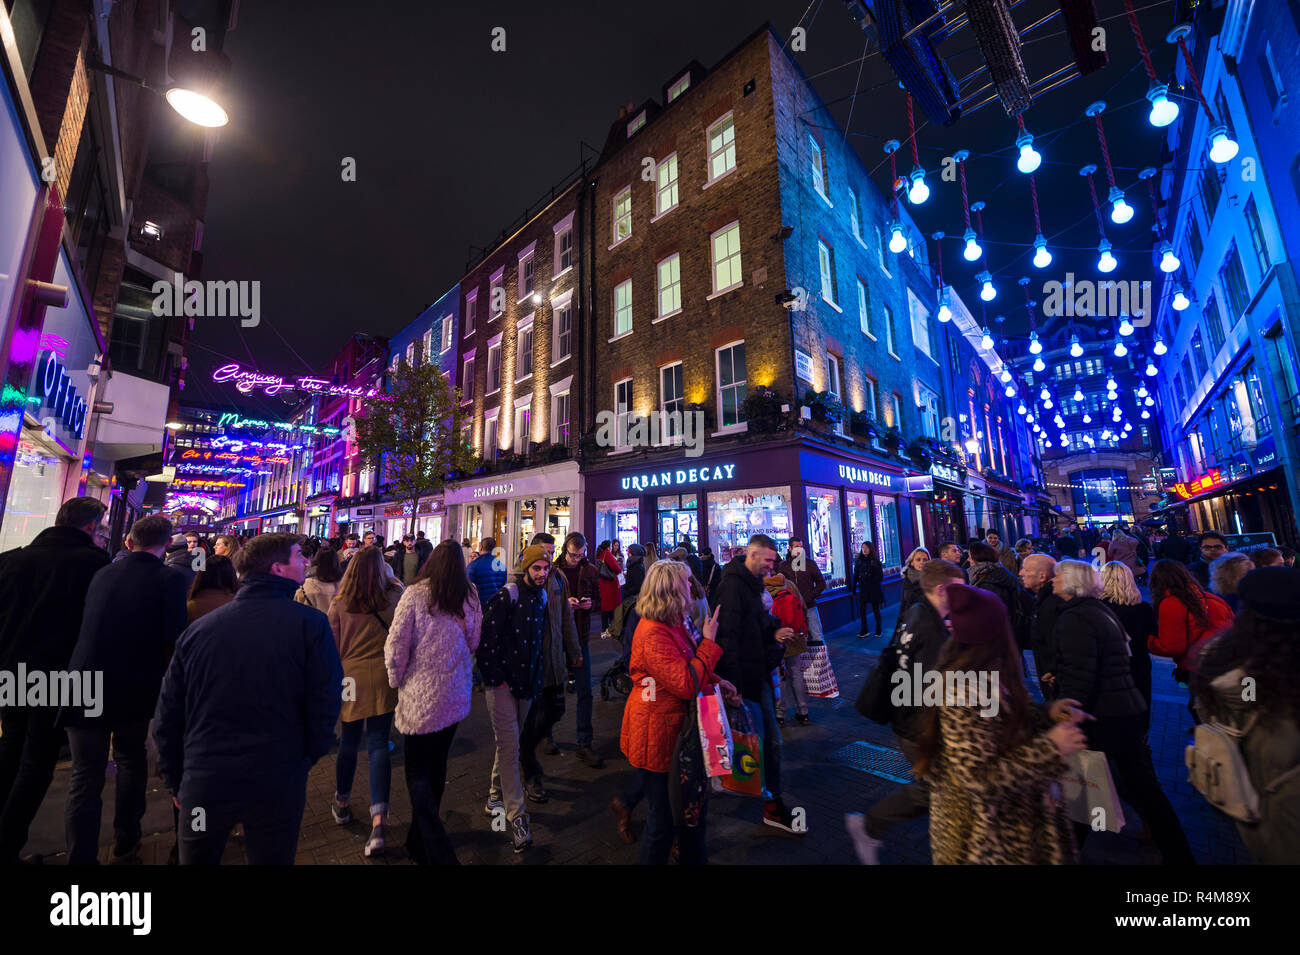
586,733
906,802
1124,741
546,711
29,749
606,618
661,829
426,778
90,748
272,818
875,609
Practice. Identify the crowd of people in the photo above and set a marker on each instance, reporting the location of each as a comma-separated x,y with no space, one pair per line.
370,638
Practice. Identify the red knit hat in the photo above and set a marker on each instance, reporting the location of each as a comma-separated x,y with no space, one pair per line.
977,616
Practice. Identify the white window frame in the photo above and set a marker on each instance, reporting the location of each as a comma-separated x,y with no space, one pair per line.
522,329
711,154
410,354
467,377
562,227
528,257
615,218
718,388
561,303
927,402
880,253
664,437
494,346
714,262
891,332
682,84
826,271
491,422
522,406
622,419
871,390
896,404
660,288
855,214
834,383
919,316
448,333
498,279
427,345
819,170
864,309
471,312
560,389
626,283
673,185
636,125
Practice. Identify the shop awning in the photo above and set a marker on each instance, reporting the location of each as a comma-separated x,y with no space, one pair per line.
139,417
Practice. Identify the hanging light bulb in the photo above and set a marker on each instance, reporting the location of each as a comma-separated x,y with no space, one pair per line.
1044,394
1128,426
1042,258
1111,395
1048,404
1221,147
1151,369
1163,110
1030,158
1142,391
1078,393
1029,418
1107,262
896,241
1120,350
1087,418
1125,327
1035,346
1120,211
1076,350
919,191
972,445
1060,422
987,292
1150,402
945,313
1168,261
1160,346
1038,363
1005,376
1117,415
972,252
1022,410
1047,443
1011,391
1105,435
986,340
1110,383
1181,301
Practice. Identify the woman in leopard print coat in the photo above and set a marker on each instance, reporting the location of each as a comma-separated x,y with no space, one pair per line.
994,793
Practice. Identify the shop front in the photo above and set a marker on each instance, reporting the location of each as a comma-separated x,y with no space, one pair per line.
317,517
833,503
284,520
1259,503
512,507
936,502
428,518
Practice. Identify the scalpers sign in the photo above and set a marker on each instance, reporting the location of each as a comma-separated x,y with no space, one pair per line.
246,380
640,482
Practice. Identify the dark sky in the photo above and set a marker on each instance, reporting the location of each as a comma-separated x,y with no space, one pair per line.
452,141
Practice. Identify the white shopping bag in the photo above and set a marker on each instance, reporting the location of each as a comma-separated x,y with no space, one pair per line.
1089,791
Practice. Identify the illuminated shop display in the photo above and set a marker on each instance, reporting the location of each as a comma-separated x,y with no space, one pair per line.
1199,485
618,520
736,516
247,379
825,538
678,516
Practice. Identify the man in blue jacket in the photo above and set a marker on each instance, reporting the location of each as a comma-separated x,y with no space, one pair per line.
487,571
248,705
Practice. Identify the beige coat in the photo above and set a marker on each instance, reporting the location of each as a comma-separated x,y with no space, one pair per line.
316,593
360,638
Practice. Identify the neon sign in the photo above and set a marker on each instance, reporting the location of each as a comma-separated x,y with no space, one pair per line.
235,420
246,380
201,485
1206,482
639,482
236,460
58,392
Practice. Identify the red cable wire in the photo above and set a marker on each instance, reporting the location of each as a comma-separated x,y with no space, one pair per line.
911,132
1096,207
893,183
1033,193
1105,152
965,203
938,256
1196,80
1137,35
1155,212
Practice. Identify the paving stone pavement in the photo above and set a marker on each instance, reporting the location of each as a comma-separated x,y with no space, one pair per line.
576,826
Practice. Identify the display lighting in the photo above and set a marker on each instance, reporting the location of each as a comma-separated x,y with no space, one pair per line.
1011,391
1142,391
1005,376
1029,418
987,291
1076,350
1044,394
1060,422
1030,158
919,191
1181,301
1111,395
1042,258
1145,413
1125,326
1160,346
1117,415
1105,261
1105,435
1222,147
1150,402
986,340
896,241
1022,410
1047,443
945,313
1128,426
1151,369
1163,110
972,445
1120,349
1048,404
1087,418
1120,211
972,252
1035,346
1078,393
1168,261
1110,383
1038,363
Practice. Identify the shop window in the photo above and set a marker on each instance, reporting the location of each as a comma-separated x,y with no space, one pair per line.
1101,494
618,520
472,525
678,517
525,522
558,519
859,514
736,516
888,544
825,539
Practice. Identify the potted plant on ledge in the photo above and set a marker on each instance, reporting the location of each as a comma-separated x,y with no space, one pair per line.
891,439
762,409
826,409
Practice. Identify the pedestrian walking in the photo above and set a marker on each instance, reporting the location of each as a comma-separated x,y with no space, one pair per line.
1124,549
634,571
582,580
680,665
424,547
180,555
1002,553
1186,616
225,545
1036,575
248,705
468,551
912,592
988,573
953,554
43,590
1212,545
994,772
608,571
429,655
789,610
487,572
1119,592
1226,572
1024,547
405,561
1266,557
710,573
360,616
214,586
319,589
803,572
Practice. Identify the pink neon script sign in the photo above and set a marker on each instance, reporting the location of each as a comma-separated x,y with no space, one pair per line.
246,380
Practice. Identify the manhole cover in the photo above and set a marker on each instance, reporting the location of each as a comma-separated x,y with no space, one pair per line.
878,760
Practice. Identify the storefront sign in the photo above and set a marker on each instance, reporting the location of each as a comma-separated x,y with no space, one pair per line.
857,475
320,510
946,472
57,392
1264,454
493,490
428,507
678,476
234,420
818,468
1206,482
1244,543
397,510
342,517
803,365
363,512
917,483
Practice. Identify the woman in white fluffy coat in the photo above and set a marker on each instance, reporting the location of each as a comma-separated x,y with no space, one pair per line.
430,659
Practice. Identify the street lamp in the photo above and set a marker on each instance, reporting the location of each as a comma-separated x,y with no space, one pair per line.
194,106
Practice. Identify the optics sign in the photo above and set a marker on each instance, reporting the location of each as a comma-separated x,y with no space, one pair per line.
56,391
246,380
1206,482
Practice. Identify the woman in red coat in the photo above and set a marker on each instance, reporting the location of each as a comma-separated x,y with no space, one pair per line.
665,653
610,596
1186,617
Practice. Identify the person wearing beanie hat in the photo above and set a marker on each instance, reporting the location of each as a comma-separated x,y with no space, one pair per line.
1260,646
992,771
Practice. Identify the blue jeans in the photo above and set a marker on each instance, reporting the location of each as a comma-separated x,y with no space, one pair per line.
660,830
381,768
583,679
771,742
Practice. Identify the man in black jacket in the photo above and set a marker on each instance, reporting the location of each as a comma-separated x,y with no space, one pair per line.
247,707
1036,574
923,635
752,643
1213,546
42,598
1094,669
135,610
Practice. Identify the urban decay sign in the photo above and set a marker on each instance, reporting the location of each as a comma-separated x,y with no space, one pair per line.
57,392
640,482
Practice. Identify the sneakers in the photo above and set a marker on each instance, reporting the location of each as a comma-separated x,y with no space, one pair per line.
802,719
589,757
494,805
866,848
342,814
534,791
776,815
375,844
604,635
521,837
624,820
864,636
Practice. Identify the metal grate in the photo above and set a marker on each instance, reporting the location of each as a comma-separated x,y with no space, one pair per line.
878,760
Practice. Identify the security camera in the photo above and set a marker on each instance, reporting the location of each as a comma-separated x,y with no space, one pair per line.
786,299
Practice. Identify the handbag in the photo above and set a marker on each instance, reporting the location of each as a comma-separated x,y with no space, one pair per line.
746,776
686,772
605,573
1087,786
874,698
818,676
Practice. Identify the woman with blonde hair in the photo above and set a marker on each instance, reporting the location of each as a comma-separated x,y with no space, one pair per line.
1226,572
912,592
360,615
679,664
319,589
1119,592
651,555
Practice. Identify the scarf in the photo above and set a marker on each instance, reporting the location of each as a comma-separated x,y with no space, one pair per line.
912,574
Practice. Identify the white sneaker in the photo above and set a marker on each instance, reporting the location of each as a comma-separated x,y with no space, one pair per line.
867,849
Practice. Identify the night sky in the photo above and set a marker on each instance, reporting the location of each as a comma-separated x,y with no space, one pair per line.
452,141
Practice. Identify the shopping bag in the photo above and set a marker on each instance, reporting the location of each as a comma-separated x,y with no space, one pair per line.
818,676
1087,787
746,776
715,733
